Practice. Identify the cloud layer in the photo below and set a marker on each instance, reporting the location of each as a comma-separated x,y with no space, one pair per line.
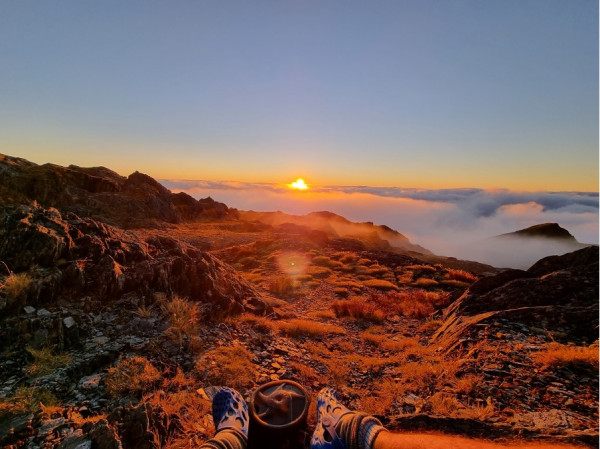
446,221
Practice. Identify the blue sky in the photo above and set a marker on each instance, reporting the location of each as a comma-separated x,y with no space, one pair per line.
454,93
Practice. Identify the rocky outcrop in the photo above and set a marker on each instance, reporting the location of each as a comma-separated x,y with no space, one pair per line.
70,256
544,230
334,226
558,293
98,192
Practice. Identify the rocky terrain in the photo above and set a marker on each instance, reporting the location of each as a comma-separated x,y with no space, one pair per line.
120,302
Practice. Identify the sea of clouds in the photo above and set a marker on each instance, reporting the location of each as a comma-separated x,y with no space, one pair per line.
450,222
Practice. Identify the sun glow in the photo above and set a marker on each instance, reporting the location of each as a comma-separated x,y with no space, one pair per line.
298,184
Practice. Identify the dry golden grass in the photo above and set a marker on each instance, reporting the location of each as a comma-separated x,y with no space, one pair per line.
15,286
430,326
182,316
318,272
425,283
132,375
380,284
260,324
186,424
26,400
358,309
455,284
45,362
349,258
405,278
412,303
467,384
556,355
321,315
307,328
426,378
373,339
341,291
228,365
281,284
255,278
421,268
382,400
460,275
378,270
304,373
323,261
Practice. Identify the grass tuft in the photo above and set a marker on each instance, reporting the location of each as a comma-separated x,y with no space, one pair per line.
45,362
228,365
556,355
132,375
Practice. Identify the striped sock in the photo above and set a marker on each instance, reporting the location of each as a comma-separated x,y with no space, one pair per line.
358,430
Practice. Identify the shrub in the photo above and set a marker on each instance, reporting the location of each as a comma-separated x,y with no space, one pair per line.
358,309
132,375
306,328
380,284
231,366
556,355
182,316
460,275
45,362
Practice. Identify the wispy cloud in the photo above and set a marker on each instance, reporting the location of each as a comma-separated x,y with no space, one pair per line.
446,221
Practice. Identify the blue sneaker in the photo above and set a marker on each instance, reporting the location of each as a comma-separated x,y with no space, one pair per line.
230,411
329,413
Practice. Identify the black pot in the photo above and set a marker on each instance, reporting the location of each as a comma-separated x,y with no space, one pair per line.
278,412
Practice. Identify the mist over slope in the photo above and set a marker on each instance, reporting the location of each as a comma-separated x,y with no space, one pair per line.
450,222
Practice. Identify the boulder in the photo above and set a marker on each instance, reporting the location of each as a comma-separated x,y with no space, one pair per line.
557,293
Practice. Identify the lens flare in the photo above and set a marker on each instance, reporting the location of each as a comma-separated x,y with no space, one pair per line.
293,263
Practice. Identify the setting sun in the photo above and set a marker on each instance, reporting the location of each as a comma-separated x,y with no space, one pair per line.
298,184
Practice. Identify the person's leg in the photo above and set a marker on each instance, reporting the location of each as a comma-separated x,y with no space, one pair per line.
339,428
389,440
230,415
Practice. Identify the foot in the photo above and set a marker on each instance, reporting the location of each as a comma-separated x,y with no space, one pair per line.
230,411
329,413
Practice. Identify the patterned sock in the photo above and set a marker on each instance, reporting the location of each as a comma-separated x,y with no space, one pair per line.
226,439
358,430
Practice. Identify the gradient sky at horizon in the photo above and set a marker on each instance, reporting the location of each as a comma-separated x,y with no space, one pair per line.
427,94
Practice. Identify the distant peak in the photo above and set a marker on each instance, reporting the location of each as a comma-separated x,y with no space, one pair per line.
546,230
